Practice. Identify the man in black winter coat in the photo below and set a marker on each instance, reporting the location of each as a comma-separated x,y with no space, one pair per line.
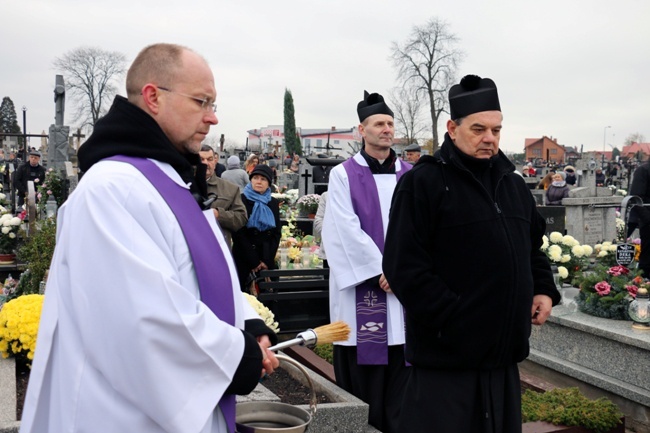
640,216
462,254
31,170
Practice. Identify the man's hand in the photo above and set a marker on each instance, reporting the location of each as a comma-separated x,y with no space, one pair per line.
215,212
261,266
383,284
541,309
269,361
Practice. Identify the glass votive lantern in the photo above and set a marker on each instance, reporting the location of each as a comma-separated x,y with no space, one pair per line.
639,310
306,257
284,258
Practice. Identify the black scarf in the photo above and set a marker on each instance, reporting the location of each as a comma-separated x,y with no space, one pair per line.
128,130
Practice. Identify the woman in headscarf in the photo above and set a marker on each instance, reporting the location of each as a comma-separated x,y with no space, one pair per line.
252,162
557,190
570,175
255,245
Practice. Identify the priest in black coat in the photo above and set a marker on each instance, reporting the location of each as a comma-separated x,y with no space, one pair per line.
462,255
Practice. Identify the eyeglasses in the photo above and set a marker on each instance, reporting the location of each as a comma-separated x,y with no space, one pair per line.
206,105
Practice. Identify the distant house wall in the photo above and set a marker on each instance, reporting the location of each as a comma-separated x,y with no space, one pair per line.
545,148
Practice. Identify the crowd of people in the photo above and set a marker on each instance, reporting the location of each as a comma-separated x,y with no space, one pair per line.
162,339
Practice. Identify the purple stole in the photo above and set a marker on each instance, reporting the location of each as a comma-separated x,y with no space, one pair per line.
205,250
372,333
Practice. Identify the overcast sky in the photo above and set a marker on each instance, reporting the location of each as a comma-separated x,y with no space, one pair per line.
565,69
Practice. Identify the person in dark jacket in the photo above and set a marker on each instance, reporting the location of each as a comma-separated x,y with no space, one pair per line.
557,190
462,254
31,170
600,177
640,215
570,175
255,245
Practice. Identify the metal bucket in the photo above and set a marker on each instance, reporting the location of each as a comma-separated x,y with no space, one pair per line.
273,417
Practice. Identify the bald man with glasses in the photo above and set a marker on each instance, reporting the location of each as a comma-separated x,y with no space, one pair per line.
144,327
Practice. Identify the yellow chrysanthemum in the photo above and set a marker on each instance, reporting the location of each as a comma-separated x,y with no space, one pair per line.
556,237
564,273
19,320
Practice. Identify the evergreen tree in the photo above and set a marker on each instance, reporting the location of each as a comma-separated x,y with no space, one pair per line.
8,119
291,140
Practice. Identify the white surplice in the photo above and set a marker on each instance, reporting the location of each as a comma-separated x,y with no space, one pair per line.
352,255
125,344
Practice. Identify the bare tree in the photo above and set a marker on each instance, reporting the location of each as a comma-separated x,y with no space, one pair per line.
637,137
428,61
407,106
355,147
90,74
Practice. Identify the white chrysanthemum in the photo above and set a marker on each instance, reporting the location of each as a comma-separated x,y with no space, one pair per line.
556,237
3,196
6,230
603,253
612,247
565,258
587,250
568,240
606,244
555,249
544,246
12,235
577,251
555,256
564,273
15,221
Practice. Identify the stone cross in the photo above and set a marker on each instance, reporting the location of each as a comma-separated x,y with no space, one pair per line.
58,145
59,99
306,187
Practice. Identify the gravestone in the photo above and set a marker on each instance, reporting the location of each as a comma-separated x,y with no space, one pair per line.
306,184
318,176
591,210
555,218
58,143
72,177
538,195
290,180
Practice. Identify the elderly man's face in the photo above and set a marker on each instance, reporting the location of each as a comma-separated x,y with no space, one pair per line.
478,134
34,160
412,156
208,158
378,131
185,122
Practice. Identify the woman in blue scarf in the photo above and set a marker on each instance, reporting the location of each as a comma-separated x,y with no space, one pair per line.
255,245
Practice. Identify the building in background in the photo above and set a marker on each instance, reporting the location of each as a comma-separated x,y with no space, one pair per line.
545,150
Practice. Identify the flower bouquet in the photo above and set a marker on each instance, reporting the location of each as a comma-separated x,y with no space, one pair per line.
606,254
53,185
264,312
19,320
308,204
567,253
607,291
9,227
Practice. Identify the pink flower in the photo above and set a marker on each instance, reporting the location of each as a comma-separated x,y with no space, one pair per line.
637,241
632,289
618,270
49,192
39,195
602,288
